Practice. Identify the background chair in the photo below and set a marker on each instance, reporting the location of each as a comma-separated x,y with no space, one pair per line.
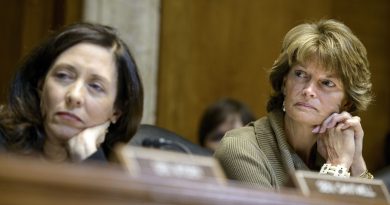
153,136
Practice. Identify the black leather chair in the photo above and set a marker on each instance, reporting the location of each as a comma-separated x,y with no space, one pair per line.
153,136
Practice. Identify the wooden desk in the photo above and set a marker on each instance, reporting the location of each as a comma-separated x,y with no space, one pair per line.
26,181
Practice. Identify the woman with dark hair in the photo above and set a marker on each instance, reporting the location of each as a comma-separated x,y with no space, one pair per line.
320,80
224,115
74,97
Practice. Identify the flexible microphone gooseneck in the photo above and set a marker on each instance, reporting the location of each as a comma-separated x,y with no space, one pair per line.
161,142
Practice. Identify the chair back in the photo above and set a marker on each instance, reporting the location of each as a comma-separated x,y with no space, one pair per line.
153,136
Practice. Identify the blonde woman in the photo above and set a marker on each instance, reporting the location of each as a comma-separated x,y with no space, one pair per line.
320,80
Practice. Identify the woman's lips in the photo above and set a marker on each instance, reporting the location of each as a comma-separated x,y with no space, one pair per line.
69,116
305,105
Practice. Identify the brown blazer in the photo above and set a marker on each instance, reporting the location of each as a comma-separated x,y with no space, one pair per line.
259,154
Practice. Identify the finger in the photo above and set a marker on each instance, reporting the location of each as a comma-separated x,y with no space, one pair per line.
344,132
354,122
316,129
99,129
323,139
93,135
345,126
339,126
326,122
103,126
101,133
337,118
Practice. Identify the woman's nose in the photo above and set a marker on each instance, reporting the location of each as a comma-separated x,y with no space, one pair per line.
309,90
75,95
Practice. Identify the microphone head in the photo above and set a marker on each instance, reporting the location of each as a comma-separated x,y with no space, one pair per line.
164,143
148,142
156,142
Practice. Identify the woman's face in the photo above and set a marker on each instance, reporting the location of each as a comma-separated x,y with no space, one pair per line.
213,139
312,94
79,91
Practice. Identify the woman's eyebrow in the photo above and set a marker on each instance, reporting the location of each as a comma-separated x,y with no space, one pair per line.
332,75
64,66
101,78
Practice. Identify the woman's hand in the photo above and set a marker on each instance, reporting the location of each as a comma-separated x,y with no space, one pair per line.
340,140
358,165
87,141
337,146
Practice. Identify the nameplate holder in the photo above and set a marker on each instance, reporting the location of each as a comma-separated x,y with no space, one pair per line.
149,162
313,183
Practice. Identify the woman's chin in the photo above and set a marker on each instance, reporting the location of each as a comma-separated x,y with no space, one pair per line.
64,132
307,118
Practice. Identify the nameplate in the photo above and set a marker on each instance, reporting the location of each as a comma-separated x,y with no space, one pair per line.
312,183
149,162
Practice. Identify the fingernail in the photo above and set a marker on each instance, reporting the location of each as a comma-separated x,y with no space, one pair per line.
316,129
323,129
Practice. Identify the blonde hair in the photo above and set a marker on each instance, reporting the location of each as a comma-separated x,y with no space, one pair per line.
336,48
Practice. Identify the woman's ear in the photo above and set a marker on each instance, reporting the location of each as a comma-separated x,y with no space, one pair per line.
115,116
346,105
283,88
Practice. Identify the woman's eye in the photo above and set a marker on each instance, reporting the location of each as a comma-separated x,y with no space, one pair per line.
62,76
300,74
328,83
96,87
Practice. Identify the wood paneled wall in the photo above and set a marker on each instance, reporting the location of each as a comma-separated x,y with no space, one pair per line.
217,48
10,16
369,21
25,24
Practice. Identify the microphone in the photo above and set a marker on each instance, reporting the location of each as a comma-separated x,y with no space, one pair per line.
162,142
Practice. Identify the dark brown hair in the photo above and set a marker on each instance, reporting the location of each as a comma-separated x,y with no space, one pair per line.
21,119
217,113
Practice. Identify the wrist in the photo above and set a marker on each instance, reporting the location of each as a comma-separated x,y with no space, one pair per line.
344,163
358,166
335,170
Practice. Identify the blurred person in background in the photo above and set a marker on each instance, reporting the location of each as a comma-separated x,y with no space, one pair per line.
224,115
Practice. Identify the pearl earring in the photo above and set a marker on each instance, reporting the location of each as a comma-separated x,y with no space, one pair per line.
283,108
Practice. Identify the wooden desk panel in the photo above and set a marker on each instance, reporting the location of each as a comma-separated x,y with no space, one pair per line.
27,181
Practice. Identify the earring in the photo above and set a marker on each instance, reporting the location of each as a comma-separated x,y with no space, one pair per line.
283,108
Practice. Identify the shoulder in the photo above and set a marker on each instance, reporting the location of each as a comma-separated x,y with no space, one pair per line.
243,132
239,137
248,133
256,142
243,159
241,141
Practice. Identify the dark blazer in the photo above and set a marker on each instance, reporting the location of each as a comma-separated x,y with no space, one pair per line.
2,142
